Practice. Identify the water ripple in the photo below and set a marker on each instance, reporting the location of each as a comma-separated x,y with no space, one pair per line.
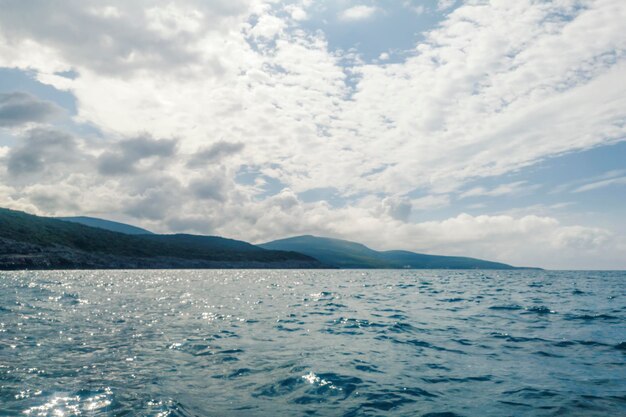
351,343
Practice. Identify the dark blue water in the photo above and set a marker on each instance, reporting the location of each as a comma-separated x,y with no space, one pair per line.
327,343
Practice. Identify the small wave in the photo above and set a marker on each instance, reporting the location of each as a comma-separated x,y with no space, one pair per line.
516,339
70,295
237,373
437,366
282,328
481,378
531,393
313,379
564,343
591,343
350,326
72,298
327,385
389,310
386,401
230,351
321,313
401,327
453,300
590,317
166,408
515,403
322,295
368,368
420,344
195,349
541,310
621,346
323,384
279,388
548,354
418,392
506,307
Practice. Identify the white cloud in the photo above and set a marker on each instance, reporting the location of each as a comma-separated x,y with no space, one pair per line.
268,27
171,21
421,9
297,13
106,11
360,12
431,202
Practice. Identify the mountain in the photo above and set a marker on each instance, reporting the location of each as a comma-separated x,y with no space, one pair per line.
346,254
107,225
33,242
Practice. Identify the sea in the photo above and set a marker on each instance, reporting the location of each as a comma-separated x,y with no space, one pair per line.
426,343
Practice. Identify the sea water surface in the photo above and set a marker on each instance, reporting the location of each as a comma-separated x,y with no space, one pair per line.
318,343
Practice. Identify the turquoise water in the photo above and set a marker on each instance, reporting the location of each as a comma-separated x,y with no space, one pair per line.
327,343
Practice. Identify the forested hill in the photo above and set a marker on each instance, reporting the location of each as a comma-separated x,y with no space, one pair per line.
33,242
345,254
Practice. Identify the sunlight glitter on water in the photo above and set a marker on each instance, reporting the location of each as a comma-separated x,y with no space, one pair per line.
75,405
354,343
313,379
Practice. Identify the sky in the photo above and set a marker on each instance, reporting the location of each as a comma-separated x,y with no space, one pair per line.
491,129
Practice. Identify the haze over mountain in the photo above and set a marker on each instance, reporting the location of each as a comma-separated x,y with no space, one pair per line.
107,225
345,254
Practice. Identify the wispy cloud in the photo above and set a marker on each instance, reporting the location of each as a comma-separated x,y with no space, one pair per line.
584,184
513,188
360,12
601,184
416,8
445,4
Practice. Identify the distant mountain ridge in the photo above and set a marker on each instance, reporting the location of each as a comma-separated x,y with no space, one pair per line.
345,254
107,225
33,242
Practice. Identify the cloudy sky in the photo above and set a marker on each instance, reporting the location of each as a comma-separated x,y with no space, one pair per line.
493,129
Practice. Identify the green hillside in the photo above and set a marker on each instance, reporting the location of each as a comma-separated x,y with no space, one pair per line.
49,233
334,252
346,254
